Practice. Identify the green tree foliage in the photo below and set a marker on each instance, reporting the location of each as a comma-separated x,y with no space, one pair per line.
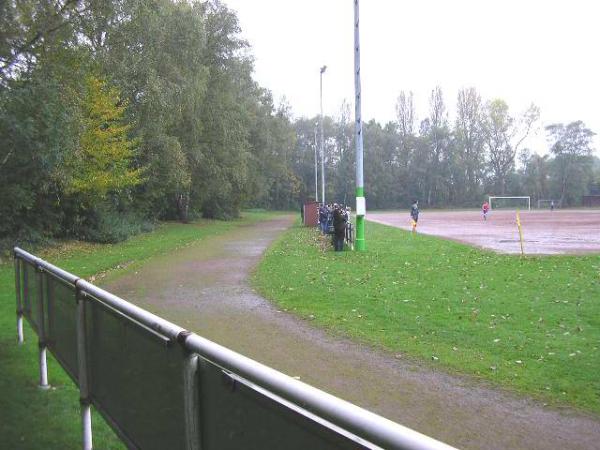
177,128
469,158
37,130
439,164
157,56
535,175
504,135
272,182
29,29
178,100
572,148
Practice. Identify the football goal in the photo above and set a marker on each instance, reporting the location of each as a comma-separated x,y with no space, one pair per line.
522,202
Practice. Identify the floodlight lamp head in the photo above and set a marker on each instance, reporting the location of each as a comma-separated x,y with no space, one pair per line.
323,69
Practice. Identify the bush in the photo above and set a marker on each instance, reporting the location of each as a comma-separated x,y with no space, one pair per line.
26,237
109,227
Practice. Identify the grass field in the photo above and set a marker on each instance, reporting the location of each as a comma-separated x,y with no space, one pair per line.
530,325
35,419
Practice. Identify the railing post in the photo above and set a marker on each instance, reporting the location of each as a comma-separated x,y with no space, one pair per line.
39,276
190,396
19,302
84,394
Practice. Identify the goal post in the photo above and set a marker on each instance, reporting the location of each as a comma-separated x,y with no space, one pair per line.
518,202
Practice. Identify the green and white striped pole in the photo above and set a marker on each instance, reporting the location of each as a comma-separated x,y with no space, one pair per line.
361,207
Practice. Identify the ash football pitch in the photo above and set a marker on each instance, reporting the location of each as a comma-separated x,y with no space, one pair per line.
544,232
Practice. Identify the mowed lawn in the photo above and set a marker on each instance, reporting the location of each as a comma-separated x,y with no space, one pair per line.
531,325
35,419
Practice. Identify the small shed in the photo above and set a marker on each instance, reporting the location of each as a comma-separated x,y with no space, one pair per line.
311,214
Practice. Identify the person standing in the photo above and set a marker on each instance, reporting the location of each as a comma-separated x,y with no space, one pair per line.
339,228
414,215
485,209
551,205
329,227
322,218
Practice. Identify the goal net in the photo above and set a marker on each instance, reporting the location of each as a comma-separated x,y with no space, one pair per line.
523,202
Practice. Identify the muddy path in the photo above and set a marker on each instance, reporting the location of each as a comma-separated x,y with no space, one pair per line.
205,289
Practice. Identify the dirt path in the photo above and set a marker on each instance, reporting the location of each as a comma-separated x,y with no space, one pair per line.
204,288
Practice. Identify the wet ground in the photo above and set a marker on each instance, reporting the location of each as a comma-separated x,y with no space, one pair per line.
544,232
204,288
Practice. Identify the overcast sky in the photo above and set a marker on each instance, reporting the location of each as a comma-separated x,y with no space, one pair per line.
523,51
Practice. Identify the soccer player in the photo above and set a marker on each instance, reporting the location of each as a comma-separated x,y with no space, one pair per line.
414,215
485,209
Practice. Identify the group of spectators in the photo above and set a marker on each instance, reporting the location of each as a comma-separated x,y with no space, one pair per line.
334,219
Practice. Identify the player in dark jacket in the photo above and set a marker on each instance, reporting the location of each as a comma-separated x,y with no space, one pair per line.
414,215
339,228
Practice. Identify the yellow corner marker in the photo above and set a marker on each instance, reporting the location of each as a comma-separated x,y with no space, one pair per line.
520,232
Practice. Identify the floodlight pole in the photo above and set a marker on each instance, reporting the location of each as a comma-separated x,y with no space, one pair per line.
361,207
322,137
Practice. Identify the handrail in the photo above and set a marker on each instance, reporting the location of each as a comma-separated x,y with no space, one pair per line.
365,424
57,271
358,421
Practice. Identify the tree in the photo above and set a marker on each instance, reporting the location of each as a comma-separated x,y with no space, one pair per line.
405,113
103,160
438,137
572,148
155,51
271,181
535,175
470,141
30,28
39,128
378,179
343,171
504,137
168,178
407,141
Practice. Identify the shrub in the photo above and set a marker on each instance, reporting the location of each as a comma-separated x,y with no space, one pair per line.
109,227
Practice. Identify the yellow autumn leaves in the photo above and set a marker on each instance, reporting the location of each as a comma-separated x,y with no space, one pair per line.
103,160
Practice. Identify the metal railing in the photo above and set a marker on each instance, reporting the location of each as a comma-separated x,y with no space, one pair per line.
160,386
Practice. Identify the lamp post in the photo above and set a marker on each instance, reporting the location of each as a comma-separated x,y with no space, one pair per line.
316,170
322,138
361,207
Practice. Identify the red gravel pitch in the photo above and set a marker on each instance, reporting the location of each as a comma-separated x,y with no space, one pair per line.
544,232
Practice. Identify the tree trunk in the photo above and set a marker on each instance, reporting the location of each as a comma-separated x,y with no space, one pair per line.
183,203
565,179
